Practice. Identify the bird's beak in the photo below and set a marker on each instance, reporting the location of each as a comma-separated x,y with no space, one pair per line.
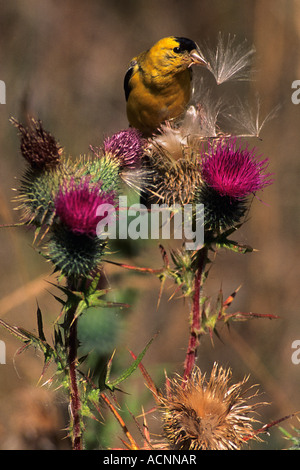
197,58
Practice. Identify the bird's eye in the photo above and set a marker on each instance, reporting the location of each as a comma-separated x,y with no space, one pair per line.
176,49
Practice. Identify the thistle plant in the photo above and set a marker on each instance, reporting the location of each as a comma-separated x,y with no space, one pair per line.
59,198
191,160
222,173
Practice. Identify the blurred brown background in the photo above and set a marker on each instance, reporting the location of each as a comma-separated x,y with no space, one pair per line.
64,62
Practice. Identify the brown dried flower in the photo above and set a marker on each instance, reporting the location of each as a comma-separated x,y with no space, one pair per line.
174,169
38,146
208,414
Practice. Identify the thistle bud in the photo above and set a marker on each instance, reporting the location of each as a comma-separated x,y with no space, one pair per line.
36,195
126,146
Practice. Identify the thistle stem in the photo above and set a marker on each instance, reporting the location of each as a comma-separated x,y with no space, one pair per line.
195,329
75,402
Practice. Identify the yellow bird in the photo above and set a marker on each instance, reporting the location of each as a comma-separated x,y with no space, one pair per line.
158,82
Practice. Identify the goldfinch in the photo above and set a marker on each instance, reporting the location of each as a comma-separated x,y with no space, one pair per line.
157,83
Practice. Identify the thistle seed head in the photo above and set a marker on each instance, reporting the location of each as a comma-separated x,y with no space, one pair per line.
208,413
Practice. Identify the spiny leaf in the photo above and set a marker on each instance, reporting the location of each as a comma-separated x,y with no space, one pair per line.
61,301
35,340
148,378
109,366
47,361
234,246
14,330
269,425
31,339
133,445
94,284
129,371
134,268
71,295
230,299
245,315
58,338
40,324
219,305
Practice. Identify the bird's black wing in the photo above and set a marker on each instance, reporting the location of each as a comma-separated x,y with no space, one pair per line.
128,75
127,78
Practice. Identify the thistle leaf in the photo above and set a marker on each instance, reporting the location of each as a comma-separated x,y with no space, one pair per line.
40,324
112,385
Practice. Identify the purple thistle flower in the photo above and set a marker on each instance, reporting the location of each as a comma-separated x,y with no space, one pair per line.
76,205
126,145
234,171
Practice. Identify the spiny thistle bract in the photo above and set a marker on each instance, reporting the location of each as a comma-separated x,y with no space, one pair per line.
74,255
106,170
36,195
207,413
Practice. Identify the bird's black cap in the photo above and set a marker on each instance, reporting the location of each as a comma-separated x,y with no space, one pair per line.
185,44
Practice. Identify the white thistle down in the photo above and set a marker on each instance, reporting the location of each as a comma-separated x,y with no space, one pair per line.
248,121
230,61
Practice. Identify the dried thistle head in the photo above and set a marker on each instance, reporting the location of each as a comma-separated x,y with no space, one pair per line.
172,158
38,146
208,414
173,155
